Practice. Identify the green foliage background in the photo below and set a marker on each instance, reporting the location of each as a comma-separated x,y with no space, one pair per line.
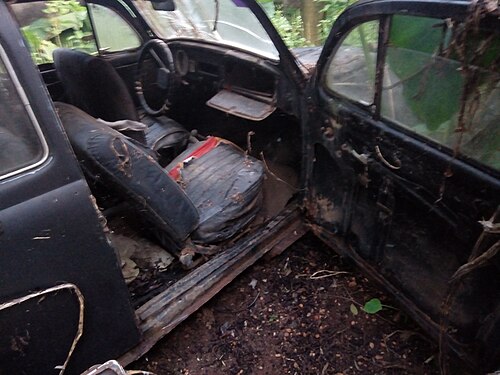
288,20
65,24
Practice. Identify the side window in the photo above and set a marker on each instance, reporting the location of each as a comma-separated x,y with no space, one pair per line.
351,71
47,25
113,33
424,83
21,145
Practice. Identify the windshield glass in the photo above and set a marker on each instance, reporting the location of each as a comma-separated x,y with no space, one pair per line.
227,22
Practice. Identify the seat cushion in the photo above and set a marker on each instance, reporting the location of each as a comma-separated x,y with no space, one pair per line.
224,184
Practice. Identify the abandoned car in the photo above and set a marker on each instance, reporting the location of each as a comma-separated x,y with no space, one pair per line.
152,150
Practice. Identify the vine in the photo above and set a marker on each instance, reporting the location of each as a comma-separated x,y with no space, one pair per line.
474,58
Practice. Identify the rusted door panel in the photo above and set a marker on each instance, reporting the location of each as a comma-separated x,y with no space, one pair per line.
416,225
406,209
347,197
50,235
60,243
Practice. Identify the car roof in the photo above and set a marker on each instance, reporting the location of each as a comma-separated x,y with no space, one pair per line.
437,8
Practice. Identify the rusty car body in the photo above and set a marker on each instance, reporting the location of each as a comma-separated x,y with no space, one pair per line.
389,153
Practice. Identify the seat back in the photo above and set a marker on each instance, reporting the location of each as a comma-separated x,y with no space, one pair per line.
131,173
93,85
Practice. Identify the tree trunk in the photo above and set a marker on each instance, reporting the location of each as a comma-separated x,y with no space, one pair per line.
310,12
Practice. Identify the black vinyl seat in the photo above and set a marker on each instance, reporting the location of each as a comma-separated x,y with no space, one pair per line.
206,195
93,85
223,183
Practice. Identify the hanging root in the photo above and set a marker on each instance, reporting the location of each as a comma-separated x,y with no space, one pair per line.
475,261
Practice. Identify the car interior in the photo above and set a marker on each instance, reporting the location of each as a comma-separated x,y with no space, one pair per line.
187,151
184,120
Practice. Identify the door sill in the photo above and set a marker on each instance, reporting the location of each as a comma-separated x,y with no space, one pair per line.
164,312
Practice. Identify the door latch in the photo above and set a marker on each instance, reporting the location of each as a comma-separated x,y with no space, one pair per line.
362,158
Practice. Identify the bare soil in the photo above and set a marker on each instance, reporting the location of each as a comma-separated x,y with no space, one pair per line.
299,313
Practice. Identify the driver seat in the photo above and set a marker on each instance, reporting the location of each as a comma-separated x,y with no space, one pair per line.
93,85
208,194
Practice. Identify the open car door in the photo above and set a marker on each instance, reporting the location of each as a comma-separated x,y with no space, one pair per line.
63,300
404,161
64,243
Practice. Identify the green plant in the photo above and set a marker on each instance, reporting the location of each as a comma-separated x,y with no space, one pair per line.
331,10
288,21
290,28
65,24
372,306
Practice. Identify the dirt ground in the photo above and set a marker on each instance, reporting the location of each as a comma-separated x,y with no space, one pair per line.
300,313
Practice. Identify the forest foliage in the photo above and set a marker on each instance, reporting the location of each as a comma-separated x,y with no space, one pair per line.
300,22
303,23
66,25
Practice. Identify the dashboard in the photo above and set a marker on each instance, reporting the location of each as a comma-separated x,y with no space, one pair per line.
236,83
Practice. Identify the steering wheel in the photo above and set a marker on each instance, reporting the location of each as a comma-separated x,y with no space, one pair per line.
164,83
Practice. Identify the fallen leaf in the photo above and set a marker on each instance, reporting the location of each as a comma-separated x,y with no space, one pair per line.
354,309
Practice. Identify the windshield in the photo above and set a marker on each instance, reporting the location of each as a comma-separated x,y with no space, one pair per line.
227,22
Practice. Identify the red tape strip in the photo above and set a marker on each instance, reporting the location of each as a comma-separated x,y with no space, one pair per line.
205,148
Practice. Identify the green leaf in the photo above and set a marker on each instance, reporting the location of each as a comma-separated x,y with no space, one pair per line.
354,309
432,84
372,306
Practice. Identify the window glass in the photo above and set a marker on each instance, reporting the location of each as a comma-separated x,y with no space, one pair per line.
424,83
351,71
47,25
113,33
228,22
20,144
